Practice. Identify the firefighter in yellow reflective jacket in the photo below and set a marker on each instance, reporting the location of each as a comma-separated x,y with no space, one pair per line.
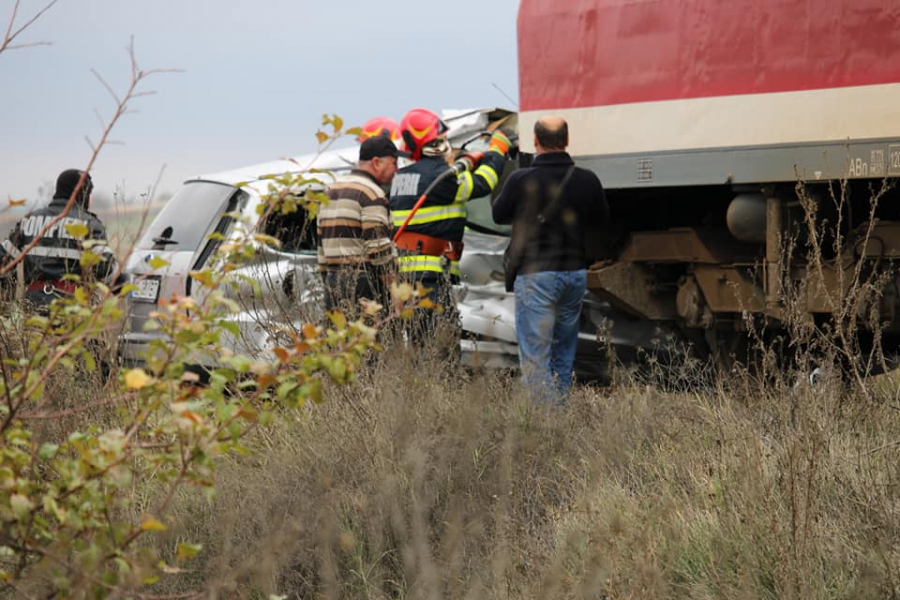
431,245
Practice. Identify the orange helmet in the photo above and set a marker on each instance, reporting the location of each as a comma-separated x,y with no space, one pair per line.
418,127
379,126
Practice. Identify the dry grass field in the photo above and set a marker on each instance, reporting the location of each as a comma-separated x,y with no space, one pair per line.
423,481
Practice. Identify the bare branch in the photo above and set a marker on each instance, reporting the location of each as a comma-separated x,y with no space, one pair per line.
11,34
100,119
28,45
120,110
108,87
12,19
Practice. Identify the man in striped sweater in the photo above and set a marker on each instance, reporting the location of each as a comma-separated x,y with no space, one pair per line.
356,254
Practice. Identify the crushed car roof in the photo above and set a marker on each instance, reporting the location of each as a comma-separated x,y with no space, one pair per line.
461,123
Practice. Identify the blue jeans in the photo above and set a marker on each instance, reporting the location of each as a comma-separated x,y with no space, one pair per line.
548,310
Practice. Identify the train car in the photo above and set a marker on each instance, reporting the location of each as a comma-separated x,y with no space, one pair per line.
749,150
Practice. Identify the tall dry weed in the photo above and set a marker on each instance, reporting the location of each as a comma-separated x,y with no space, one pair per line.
424,483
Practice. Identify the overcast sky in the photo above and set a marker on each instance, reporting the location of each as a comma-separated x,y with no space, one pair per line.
257,77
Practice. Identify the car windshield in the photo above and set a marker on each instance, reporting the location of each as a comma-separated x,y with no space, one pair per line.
186,218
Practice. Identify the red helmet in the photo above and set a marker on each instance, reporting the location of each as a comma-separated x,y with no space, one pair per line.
418,127
379,126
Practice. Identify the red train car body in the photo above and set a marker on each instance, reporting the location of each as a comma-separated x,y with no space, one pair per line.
736,140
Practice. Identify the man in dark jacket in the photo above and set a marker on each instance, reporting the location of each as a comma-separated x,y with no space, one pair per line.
552,205
60,245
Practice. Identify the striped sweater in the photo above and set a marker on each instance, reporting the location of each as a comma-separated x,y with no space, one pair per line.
355,225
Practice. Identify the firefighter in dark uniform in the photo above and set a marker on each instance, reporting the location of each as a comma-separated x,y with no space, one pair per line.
430,247
58,252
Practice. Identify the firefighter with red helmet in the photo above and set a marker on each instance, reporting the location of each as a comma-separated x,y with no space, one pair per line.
431,244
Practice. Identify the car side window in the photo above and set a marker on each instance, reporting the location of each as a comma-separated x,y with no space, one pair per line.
296,231
222,225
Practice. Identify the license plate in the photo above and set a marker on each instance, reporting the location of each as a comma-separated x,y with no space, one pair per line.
147,290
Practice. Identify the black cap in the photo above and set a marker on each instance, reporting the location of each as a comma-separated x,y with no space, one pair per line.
66,182
378,146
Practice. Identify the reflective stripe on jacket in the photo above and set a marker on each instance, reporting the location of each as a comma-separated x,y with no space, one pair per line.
443,215
423,263
59,251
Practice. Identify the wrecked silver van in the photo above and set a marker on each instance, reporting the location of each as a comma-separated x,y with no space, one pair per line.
180,240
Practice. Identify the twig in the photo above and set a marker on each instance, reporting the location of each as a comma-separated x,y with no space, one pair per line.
137,77
11,35
882,448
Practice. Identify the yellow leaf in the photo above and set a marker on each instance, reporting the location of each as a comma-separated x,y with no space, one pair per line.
401,291
21,506
157,263
53,508
338,123
315,391
369,307
77,230
426,303
185,552
310,331
321,136
89,259
12,202
203,277
281,353
267,239
152,524
135,379
338,320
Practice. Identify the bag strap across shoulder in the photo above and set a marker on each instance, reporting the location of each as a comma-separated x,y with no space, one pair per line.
557,194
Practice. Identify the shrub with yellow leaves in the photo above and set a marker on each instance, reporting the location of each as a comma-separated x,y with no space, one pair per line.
77,506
